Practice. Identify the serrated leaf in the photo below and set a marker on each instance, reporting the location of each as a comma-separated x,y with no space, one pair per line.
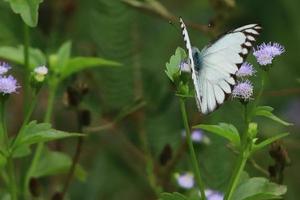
16,55
35,133
172,196
81,63
172,67
28,9
53,163
258,189
266,111
268,141
225,130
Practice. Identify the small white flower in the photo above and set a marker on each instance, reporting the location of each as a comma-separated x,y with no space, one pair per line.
41,70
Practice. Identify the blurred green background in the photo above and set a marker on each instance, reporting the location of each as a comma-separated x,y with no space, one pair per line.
143,41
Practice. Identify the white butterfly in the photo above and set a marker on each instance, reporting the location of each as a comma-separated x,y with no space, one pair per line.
213,68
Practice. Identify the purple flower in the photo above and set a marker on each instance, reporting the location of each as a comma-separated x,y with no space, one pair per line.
245,70
8,84
4,67
266,52
213,195
197,136
276,49
186,180
243,90
184,66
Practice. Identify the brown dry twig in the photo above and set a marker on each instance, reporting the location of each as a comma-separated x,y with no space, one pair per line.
156,8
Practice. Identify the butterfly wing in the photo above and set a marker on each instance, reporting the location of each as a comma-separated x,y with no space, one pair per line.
195,76
220,61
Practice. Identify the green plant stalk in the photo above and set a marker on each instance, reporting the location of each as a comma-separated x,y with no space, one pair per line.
241,162
27,67
12,185
242,159
40,146
263,82
193,157
12,177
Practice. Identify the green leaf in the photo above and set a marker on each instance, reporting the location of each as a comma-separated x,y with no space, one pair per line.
35,133
53,163
172,196
28,9
225,130
16,55
81,63
258,189
22,151
172,67
266,111
268,141
63,56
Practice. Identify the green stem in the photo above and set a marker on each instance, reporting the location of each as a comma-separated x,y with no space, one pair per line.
242,159
40,146
240,165
12,177
263,82
27,67
10,167
193,157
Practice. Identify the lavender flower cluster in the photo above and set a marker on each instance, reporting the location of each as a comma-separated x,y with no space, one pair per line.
264,54
8,84
186,181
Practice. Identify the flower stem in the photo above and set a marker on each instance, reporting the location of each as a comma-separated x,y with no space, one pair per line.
26,65
193,157
263,82
40,146
10,165
242,159
240,165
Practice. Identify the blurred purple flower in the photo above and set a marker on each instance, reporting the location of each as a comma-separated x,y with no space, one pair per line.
8,85
186,180
213,195
198,136
184,66
245,70
265,53
243,90
4,67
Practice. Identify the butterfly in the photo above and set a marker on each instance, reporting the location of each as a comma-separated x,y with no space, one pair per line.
213,68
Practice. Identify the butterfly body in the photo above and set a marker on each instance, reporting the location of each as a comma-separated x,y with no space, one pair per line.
213,68
197,58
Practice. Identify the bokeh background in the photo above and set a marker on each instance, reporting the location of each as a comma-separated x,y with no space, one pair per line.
116,155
